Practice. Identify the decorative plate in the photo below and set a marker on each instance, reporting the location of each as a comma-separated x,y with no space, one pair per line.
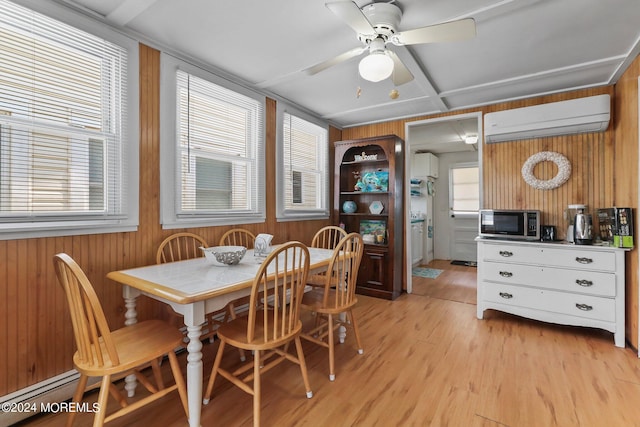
376,207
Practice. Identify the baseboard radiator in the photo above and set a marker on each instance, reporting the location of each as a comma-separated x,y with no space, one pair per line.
48,394
43,396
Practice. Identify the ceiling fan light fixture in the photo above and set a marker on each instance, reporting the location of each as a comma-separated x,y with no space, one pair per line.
376,66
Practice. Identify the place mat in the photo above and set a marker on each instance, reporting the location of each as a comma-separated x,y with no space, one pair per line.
430,273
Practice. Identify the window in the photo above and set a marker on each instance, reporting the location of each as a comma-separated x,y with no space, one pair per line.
67,158
464,189
303,173
212,150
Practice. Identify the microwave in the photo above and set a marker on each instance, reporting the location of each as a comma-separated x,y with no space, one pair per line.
510,224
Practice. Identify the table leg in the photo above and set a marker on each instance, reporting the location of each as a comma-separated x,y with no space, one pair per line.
193,320
342,331
131,318
194,374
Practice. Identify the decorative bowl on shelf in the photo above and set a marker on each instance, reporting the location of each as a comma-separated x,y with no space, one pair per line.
224,255
376,207
349,206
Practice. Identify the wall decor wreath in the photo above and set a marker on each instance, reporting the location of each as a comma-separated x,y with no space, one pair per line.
564,170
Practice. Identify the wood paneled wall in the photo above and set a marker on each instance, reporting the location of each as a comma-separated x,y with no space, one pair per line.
35,327
626,176
604,168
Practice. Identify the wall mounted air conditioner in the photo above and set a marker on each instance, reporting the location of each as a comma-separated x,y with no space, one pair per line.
581,115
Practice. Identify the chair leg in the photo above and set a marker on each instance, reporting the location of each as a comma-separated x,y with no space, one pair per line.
98,420
179,379
214,373
256,389
77,397
330,333
303,368
155,367
231,311
356,331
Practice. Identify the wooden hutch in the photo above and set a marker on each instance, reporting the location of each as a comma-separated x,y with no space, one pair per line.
369,199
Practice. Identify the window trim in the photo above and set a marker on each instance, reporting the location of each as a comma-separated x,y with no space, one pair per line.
169,217
73,225
283,214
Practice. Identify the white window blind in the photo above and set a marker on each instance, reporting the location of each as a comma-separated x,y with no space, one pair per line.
465,189
304,166
63,118
217,155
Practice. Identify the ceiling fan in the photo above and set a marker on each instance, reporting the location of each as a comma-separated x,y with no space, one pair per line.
377,25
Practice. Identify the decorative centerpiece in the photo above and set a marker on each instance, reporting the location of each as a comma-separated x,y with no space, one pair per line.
224,255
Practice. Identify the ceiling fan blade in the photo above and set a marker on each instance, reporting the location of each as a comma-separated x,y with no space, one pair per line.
315,69
351,14
401,73
445,32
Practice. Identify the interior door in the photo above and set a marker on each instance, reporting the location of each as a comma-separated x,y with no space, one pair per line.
464,202
463,233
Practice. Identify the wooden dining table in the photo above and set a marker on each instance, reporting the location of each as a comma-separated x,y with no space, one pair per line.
194,288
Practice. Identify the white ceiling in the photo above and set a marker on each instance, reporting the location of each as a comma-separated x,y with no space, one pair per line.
523,48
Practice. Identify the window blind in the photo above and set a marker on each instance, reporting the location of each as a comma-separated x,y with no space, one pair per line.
62,121
219,137
305,152
465,189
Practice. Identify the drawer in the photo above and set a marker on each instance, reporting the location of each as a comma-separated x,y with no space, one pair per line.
577,281
586,306
568,257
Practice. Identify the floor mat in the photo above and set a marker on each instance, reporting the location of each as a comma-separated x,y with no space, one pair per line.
430,273
467,263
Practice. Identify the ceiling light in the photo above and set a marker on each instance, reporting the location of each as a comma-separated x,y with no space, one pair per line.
471,139
376,66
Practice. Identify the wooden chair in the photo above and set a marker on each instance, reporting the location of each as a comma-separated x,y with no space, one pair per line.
336,298
114,354
178,247
238,237
269,328
327,238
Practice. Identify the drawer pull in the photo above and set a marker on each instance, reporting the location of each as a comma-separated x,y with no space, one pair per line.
506,295
506,273
584,307
506,254
584,260
584,282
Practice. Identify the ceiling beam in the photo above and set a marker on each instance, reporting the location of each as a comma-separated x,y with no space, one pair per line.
128,10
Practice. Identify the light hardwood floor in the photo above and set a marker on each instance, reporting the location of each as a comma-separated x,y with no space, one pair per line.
429,362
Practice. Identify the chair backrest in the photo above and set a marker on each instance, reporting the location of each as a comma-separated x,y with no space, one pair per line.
277,292
342,272
180,246
238,237
87,317
328,237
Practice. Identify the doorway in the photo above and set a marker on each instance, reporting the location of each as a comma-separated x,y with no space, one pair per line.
445,138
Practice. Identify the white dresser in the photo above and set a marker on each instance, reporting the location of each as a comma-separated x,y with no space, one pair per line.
554,282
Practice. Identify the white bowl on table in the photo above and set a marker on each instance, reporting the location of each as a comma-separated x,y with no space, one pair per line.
224,255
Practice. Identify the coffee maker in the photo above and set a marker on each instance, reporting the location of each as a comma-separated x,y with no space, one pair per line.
582,227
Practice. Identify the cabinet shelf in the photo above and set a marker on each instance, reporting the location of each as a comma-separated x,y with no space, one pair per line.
359,193
380,215
381,162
